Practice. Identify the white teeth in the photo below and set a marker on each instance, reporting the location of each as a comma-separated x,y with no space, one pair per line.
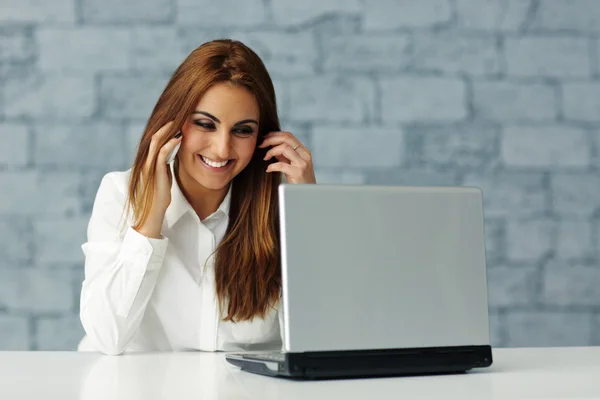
214,164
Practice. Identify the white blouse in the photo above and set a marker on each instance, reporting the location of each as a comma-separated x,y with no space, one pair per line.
145,294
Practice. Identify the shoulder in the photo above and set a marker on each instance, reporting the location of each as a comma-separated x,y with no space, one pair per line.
113,190
115,183
109,218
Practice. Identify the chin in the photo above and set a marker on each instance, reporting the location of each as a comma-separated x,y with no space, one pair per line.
212,184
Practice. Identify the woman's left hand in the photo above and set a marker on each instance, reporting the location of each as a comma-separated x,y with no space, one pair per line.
294,159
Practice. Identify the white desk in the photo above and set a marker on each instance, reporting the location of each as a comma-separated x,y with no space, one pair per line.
557,373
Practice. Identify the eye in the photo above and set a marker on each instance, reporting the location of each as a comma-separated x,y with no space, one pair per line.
243,131
204,124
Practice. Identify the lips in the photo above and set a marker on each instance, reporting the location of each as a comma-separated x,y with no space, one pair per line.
213,163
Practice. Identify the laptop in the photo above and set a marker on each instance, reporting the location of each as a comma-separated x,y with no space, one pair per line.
379,281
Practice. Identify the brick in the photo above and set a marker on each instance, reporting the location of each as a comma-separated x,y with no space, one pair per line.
332,99
58,242
545,146
90,183
548,329
576,194
78,275
16,44
59,334
557,57
292,12
512,286
337,25
596,238
596,331
510,101
396,14
415,99
372,53
191,37
89,49
302,132
357,147
530,240
571,285
144,44
61,195
10,71
456,146
575,240
36,96
595,137
567,15
36,290
411,177
595,55
121,12
283,53
580,102
223,13
414,139
511,193
282,98
456,54
492,15
329,176
39,193
90,144
58,11
15,141
130,95
14,333
497,325
16,245
495,240
133,135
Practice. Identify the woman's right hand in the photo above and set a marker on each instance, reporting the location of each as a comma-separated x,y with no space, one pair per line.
162,180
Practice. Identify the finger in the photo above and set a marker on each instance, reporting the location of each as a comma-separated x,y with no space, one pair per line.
286,168
286,151
275,138
160,134
169,175
157,138
280,138
166,150
163,130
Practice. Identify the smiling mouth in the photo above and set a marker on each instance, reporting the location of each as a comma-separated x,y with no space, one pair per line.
214,164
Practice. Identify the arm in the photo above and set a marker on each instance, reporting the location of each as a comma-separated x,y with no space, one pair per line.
120,273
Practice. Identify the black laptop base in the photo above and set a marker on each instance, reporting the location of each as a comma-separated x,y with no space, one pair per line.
370,363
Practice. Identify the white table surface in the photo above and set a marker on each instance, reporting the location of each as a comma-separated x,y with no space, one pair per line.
557,373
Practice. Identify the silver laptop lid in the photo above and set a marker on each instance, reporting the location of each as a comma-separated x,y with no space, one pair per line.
376,267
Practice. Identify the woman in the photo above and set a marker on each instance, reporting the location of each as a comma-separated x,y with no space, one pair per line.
185,255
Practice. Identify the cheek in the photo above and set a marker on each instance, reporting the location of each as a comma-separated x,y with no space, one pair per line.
193,142
246,148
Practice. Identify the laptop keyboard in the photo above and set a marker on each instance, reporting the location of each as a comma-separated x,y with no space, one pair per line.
277,357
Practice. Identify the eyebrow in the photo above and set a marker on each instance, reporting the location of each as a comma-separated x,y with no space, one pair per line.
245,121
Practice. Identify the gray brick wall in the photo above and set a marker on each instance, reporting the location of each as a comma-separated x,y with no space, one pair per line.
502,94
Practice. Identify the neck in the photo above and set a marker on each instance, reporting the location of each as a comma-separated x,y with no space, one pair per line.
204,201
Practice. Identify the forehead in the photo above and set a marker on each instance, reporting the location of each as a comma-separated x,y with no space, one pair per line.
226,101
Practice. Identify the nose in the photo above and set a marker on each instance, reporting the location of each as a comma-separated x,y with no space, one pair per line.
221,144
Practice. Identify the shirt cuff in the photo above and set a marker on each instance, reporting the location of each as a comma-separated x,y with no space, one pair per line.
143,255
139,247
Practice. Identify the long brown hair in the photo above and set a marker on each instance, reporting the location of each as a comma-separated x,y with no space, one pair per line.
247,262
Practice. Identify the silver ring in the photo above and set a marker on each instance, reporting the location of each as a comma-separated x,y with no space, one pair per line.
296,147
